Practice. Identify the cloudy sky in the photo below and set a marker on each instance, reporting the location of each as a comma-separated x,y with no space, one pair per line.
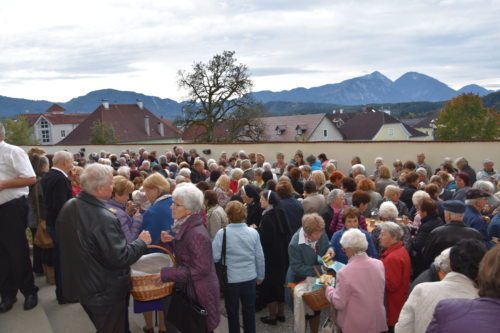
56,50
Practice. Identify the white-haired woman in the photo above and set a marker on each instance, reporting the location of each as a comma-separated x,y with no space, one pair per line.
352,295
388,212
392,194
236,175
193,253
397,267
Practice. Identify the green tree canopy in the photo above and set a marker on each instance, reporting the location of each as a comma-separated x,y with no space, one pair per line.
465,118
18,132
102,134
219,93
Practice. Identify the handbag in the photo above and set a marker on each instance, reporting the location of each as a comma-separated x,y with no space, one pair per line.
42,238
220,267
185,314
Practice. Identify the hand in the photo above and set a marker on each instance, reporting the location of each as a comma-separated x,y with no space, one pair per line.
330,253
230,192
259,281
145,236
157,280
253,226
166,237
131,208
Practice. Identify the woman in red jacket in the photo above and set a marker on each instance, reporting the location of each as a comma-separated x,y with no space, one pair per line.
397,266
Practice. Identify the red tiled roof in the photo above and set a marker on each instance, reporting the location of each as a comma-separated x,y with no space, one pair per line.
193,132
56,119
127,121
288,126
55,108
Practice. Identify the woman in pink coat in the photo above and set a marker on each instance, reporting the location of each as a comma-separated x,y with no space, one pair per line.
359,292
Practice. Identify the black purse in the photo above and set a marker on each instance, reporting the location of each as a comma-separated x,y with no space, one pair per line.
220,267
185,314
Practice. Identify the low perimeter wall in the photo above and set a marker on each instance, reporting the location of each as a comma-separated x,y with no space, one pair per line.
342,152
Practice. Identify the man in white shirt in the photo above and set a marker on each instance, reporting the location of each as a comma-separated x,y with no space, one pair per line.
16,272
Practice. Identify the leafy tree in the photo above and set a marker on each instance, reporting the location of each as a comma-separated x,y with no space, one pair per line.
18,132
102,134
219,93
465,118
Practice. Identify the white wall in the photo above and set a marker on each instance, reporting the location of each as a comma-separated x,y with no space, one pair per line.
332,131
475,152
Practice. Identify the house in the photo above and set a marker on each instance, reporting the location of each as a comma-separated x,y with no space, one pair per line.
54,124
373,125
311,127
132,123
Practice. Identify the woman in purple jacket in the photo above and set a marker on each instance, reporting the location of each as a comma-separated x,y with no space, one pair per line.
195,268
130,221
476,315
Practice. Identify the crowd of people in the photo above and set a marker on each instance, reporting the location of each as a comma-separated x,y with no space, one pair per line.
420,245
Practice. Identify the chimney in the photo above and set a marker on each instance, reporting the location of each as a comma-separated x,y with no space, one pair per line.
105,104
161,129
146,125
140,104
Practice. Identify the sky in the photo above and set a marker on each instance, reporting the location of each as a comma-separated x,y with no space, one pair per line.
57,50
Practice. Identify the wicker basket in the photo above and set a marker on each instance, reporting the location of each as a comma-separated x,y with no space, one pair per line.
144,287
316,299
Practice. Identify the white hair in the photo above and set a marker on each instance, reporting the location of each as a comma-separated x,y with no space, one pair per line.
95,175
192,198
360,168
393,229
334,194
388,211
61,157
355,240
236,173
124,171
185,172
418,196
484,185
422,171
267,166
442,261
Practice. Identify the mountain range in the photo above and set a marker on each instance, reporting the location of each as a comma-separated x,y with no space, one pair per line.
374,88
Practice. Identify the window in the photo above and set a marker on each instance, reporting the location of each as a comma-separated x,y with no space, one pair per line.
45,136
390,131
325,133
63,133
44,123
299,131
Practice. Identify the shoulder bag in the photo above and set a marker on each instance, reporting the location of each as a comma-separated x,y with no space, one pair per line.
220,267
42,238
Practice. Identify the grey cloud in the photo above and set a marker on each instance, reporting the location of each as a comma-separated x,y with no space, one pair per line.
267,71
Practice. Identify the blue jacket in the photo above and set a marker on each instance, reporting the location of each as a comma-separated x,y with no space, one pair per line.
340,254
474,219
158,218
244,255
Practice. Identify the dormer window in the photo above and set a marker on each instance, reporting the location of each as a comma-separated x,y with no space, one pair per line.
279,130
300,129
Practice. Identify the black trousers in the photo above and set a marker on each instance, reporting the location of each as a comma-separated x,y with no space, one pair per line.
16,272
108,319
56,262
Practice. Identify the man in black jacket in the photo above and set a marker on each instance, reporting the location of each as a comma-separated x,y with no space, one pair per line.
95,256
449,234
56,189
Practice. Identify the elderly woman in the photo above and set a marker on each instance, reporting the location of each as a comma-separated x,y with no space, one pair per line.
384,179
416,199
291,206
195,270
473,315
397,267
309,242
236,175
275,235
367,185
392,193
258,182
463,185
245,267
430,220
352,295
389,212
157,218
332,214
336,180
250,196
130,222
216,216
224,192
350,220
319,179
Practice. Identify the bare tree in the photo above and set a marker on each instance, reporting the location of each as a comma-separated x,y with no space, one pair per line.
219,94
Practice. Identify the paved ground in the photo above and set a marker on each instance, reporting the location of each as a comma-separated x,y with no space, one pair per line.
50,317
